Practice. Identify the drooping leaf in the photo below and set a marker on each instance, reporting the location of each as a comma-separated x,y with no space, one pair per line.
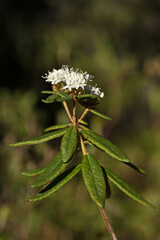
56,127
105,145
88,102
56,184
135,168
82,121
100,114
69,143
51,98
55,167
41,139
62,99
34,172
126,188
47,92
87,96
94,179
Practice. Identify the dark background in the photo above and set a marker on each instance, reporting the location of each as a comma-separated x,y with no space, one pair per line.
118,43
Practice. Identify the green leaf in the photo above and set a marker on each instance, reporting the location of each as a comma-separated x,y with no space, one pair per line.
55,167
69,143
94,179
41,139
34,172
82,121
47,92
135,168
63,94
104,145
57,127
126,188
62,99
51,98
56,184
100,114
87,96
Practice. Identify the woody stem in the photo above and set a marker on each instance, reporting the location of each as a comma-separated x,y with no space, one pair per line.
108,224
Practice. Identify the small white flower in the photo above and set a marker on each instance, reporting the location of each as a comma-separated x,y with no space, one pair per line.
55,76
95,90
72,79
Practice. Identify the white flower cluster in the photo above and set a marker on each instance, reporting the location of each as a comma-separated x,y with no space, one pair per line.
72,80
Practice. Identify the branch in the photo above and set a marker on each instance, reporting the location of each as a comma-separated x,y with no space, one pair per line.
108,224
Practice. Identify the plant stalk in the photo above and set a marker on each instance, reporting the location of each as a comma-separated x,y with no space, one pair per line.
67,111
84,151
74,113
108,224
84,113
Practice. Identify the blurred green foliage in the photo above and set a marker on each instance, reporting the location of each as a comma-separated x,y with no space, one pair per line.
118,43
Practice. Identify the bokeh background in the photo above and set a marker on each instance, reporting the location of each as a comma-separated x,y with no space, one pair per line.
118,43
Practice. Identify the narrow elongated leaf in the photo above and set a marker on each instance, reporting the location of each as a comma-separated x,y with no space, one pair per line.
69,143
47,92
56,127
131,165
51,98
105,145
63,94
34,172
126,188
94,179
62,99
100,114
87,96
56,184
55,167
41,139
83,122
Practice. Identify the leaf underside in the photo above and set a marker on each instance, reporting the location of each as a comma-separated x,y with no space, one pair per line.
94,179
41,139
56,184
34,172
69,143
104,145
126,188
55,167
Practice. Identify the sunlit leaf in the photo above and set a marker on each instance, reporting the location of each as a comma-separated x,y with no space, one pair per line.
55,167
34,172
83,122
69,143
56,127
41,139
51,98
87,96
126,188
56,184
62,99
47,92
105,145
94,179
100,114
63,94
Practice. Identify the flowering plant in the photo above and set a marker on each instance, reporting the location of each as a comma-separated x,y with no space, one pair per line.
77,86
